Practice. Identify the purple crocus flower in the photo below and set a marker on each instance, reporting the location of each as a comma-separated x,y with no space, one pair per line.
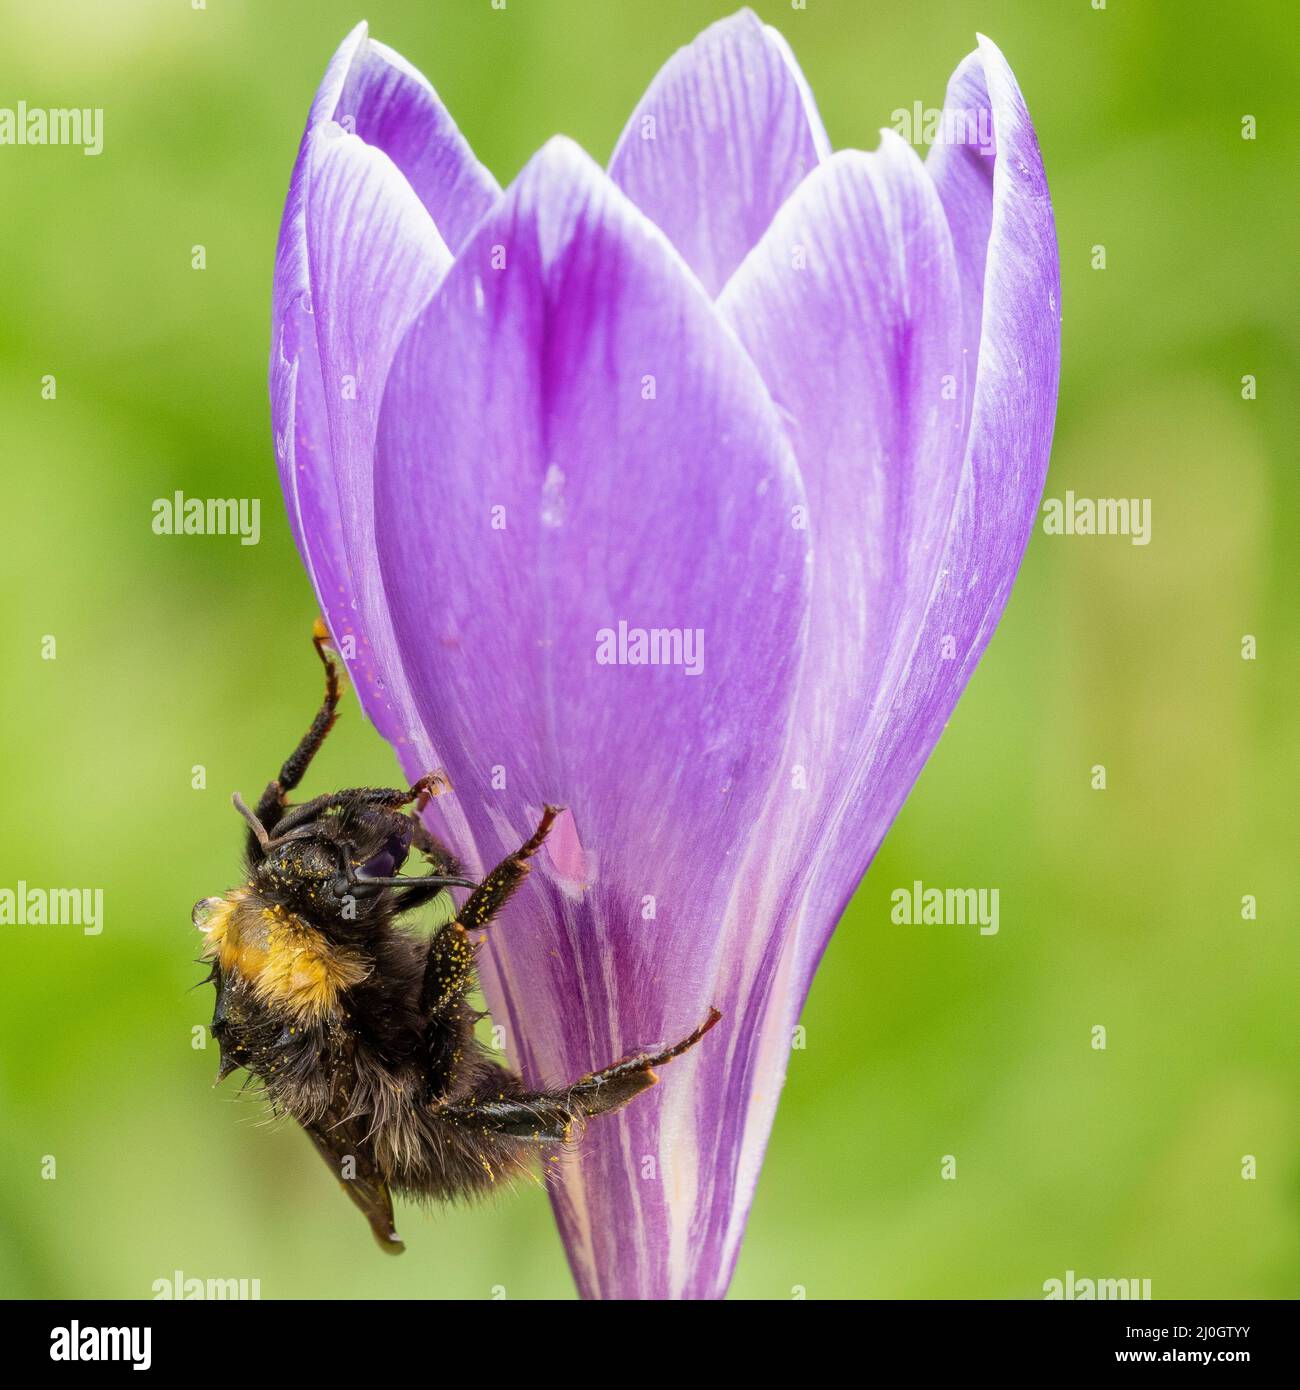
687,494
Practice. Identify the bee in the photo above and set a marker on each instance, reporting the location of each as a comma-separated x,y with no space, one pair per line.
362,1030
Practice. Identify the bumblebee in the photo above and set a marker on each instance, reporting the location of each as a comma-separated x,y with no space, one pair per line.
362,1030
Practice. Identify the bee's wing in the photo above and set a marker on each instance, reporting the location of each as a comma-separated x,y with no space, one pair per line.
337,1144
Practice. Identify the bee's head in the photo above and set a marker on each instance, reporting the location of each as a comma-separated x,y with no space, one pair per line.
305,872
335,865
314,875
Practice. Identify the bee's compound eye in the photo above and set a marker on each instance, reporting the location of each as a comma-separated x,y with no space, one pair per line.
383,865
203,910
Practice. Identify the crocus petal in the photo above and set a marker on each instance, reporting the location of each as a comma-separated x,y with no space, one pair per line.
961,574
858,271
359,255
391,106
1005,253
362,307
1013,411
570,437
723,135
375,94
371,258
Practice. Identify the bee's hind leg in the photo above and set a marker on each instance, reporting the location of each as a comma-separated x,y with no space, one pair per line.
549,1116
610,1089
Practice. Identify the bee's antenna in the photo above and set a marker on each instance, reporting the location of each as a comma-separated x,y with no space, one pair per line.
259,829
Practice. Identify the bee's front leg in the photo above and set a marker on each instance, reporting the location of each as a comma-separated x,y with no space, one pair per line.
271,805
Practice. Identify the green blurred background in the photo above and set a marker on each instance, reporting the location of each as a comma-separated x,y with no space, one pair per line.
1119,907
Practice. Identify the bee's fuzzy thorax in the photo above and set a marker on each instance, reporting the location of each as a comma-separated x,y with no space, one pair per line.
287,963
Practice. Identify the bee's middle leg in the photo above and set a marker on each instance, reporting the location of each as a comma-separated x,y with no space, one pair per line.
495,891
449,967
